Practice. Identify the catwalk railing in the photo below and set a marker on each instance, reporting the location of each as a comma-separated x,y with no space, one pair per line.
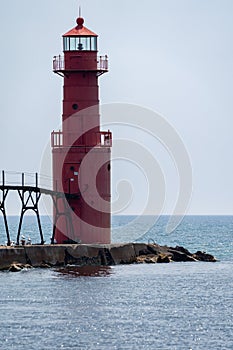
29,188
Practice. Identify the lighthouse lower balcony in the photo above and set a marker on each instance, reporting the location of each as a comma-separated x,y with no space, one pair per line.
102,139
80,63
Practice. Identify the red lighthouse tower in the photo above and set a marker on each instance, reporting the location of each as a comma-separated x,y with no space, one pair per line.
81,152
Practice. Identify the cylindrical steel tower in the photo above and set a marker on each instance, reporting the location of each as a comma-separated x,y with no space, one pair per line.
81,152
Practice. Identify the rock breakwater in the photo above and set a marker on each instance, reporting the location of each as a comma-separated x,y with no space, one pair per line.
17,258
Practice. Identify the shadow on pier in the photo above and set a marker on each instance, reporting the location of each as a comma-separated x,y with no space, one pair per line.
30,194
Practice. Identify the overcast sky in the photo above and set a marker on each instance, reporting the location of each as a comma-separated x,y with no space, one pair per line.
172,56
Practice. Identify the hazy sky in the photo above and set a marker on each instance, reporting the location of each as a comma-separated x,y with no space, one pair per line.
172,56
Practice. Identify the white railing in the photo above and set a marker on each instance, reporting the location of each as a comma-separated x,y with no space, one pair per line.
57,139
103,139
102,63
59,63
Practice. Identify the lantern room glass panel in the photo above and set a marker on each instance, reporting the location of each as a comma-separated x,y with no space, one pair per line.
72,44
94,43
80,43
66,45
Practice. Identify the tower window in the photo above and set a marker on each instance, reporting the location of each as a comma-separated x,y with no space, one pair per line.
75,106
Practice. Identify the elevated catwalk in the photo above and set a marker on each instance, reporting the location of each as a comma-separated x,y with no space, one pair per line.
30,196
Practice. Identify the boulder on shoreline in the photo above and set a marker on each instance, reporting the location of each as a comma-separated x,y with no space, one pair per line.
16,267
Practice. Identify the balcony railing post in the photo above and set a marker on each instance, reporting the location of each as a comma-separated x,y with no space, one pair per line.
52,138
36,180
106,62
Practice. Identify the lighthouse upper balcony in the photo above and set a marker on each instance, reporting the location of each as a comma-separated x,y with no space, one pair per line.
101,139
82,63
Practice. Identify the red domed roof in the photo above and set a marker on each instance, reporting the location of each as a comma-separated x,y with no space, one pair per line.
80,30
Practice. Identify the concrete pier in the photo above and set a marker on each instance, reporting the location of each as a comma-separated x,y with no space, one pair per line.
94,254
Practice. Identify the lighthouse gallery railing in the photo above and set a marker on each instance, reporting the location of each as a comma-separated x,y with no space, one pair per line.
59,63
103,139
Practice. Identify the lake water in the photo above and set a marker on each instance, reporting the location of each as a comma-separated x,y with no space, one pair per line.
161,306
